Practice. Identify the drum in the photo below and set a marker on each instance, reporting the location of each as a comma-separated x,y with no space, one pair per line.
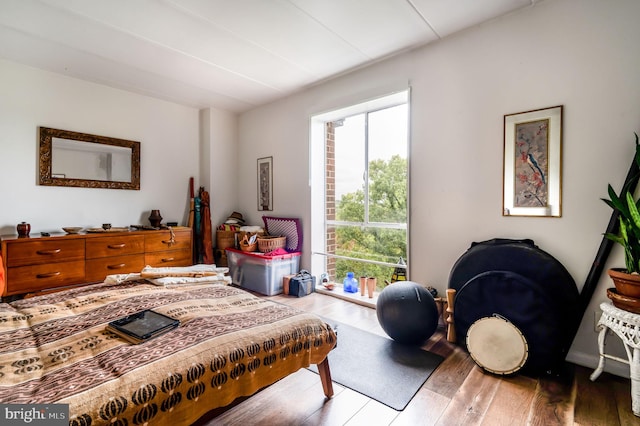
519,281
496,345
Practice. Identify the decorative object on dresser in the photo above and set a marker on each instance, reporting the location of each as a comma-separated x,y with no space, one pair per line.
155,218
23,229
73,229
35,264
109,229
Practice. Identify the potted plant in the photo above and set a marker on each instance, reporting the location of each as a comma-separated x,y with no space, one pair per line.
627,280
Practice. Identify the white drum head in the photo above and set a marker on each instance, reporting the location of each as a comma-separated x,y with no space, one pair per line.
497,345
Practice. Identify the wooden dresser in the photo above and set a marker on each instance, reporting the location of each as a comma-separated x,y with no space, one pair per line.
42,263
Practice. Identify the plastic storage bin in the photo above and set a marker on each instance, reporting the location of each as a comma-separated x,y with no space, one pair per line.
260,273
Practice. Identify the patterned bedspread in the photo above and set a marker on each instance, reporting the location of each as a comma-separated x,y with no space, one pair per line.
55,349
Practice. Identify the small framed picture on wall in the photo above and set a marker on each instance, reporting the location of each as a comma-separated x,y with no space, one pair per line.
265,184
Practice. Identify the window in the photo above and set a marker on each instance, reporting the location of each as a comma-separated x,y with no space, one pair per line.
360,190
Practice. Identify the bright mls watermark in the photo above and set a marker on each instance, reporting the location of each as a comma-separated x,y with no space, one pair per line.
34,414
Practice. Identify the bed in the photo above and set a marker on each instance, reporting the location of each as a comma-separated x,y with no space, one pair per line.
54,348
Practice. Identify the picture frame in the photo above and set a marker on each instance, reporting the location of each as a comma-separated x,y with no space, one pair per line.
532,163
265,184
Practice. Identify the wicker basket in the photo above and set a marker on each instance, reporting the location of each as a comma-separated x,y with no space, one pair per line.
248,247
242,234
225,239
269,243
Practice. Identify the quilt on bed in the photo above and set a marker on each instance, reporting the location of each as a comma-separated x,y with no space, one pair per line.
230,343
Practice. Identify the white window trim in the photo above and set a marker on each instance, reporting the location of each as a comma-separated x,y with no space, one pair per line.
317,174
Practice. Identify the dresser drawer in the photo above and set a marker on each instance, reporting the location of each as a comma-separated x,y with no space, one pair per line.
114,246
98,269
161,241
169,258
46,263
24,279
44,251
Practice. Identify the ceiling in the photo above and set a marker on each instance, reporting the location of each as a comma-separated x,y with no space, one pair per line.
228,54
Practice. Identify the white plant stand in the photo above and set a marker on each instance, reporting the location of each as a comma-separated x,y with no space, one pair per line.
626,325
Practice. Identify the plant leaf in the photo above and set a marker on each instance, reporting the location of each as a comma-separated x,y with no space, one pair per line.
634,215
616,201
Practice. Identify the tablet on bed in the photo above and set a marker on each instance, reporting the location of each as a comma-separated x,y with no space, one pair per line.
143,326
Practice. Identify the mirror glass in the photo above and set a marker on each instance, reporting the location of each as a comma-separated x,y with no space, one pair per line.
89,161
80,160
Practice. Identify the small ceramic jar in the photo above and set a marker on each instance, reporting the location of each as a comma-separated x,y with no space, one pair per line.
155,218
23,229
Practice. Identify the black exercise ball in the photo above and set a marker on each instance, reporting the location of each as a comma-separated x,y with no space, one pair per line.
407,312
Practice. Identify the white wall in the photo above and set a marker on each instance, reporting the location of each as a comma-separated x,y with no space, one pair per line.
168,134
219,161
578,53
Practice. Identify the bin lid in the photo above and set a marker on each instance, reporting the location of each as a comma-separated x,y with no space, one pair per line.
264,255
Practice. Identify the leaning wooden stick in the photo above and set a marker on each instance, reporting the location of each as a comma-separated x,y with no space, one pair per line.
191,223
191,204
451,331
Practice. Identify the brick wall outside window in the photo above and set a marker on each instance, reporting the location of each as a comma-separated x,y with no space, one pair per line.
330,202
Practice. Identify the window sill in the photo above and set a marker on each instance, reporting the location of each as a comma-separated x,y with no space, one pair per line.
351,297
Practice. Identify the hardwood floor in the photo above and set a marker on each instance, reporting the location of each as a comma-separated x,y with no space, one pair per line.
457,393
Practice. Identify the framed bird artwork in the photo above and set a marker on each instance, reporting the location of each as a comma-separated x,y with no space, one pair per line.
533,163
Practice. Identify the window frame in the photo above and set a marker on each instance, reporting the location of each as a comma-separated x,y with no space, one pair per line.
319,252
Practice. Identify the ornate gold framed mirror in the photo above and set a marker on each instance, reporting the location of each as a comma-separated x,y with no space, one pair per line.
89,161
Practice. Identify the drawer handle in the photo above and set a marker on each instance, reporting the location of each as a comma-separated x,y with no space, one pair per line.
49,252
48,275
169,259
116,246
119,266
171,240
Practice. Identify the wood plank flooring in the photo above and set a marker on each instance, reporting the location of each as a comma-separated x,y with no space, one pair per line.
457,393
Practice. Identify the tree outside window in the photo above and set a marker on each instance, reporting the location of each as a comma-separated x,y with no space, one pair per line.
367,192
